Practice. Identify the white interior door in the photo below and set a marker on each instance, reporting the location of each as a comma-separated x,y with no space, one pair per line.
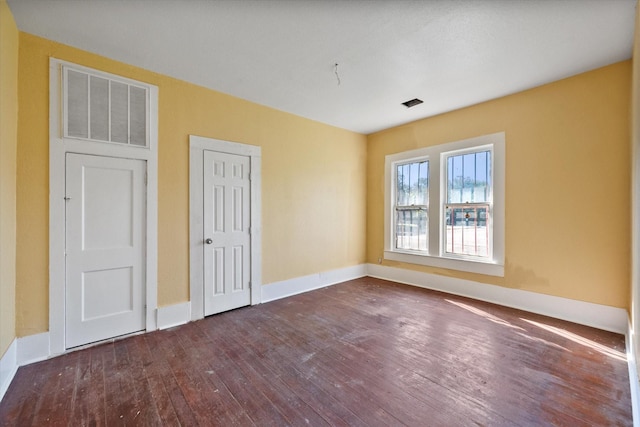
227,251
105,248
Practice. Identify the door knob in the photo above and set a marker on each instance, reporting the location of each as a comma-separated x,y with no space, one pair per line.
208,241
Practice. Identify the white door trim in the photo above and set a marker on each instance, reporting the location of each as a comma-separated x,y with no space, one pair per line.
197,146
58,147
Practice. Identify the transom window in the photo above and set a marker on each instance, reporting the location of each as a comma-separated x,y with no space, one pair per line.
101,107
444,205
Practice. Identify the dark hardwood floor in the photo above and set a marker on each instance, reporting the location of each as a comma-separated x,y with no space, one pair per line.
362,353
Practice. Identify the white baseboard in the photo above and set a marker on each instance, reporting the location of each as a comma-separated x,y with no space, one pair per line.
33,348
8,367
633,375
22,351
174,315
599,316
298,285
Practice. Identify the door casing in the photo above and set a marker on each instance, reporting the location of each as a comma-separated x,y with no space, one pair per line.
197,146
58,148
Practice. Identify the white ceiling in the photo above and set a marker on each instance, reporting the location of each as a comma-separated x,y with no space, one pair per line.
282,53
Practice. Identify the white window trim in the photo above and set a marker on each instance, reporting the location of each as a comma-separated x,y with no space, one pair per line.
58,147
436,257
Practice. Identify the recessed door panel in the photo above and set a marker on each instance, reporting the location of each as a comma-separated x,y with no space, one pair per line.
108,209
97,286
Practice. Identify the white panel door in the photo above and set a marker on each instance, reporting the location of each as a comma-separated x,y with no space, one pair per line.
226,232
105,253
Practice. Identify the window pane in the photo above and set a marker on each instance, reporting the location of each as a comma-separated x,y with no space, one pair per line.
469,178
402,190
412,187
467,230
421,186
411,229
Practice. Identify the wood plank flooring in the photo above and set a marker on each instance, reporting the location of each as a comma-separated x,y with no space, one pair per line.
362,353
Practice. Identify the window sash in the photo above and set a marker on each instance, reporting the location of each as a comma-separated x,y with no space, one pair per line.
466,231
478,162
412,228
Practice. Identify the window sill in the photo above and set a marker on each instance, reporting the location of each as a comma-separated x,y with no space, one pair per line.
490,269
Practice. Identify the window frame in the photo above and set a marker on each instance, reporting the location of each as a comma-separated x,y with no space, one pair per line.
406,207
435,256
444,156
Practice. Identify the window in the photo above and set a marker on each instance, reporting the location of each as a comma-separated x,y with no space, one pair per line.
444,205
412,203
468,202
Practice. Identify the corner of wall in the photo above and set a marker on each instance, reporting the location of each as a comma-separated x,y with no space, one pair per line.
634,383
633,348
8,149
8,367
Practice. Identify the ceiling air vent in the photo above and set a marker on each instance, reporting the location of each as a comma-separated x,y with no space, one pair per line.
411,103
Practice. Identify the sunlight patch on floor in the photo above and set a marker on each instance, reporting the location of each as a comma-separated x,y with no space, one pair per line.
484,314
543,341
610,352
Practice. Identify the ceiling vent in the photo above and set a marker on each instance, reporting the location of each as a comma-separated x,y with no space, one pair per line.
411,103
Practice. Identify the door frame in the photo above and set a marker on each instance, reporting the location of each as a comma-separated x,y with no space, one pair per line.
197,146
58,149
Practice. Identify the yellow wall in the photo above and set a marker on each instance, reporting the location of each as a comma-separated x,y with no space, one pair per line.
567,190
8,144
313,181
567,183
635,193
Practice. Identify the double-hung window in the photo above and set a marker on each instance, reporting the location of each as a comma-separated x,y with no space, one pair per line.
412,205
468,201
444,205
